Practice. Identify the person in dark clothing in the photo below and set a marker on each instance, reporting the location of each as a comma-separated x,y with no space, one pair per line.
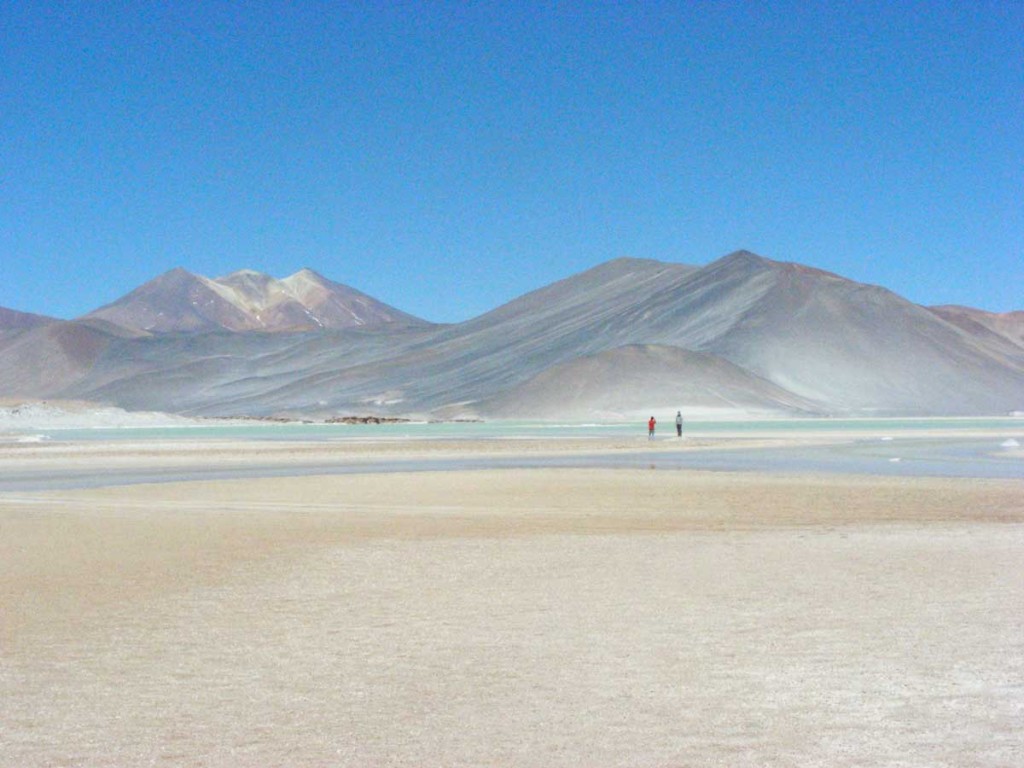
679,423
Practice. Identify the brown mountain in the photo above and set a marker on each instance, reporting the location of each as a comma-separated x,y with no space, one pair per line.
13,320
181,302
13,323
52,357
977,322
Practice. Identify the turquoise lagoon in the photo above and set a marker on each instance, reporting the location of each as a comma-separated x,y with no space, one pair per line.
491,430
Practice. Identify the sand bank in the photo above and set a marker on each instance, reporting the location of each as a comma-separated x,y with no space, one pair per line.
543,617
41,466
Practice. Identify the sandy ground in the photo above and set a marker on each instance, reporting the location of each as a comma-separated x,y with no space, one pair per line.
514,618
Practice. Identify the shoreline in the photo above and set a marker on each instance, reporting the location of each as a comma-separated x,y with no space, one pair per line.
37,466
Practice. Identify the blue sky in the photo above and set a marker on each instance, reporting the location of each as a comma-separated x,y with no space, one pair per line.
448,157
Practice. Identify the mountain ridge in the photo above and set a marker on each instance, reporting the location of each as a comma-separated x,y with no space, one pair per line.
776,336
978,322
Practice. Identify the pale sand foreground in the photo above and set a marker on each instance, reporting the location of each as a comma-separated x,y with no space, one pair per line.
528,618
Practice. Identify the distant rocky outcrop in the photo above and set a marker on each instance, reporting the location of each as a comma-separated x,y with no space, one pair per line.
366,420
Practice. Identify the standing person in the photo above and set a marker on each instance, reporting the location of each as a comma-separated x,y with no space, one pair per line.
679,423
650,428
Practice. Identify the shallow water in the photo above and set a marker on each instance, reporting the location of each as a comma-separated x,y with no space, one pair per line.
527,429
900,457
897,457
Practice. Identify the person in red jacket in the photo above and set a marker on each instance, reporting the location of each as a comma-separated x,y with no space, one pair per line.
650,428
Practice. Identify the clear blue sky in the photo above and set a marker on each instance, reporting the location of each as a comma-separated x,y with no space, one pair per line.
447,157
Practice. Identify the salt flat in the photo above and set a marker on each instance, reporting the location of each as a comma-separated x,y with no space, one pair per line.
515,617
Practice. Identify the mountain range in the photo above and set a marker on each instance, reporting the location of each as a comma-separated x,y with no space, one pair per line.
742,335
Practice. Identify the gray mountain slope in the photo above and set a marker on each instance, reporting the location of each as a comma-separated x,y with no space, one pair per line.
854,346
181,302
631,381
570,318
242,373
847,345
